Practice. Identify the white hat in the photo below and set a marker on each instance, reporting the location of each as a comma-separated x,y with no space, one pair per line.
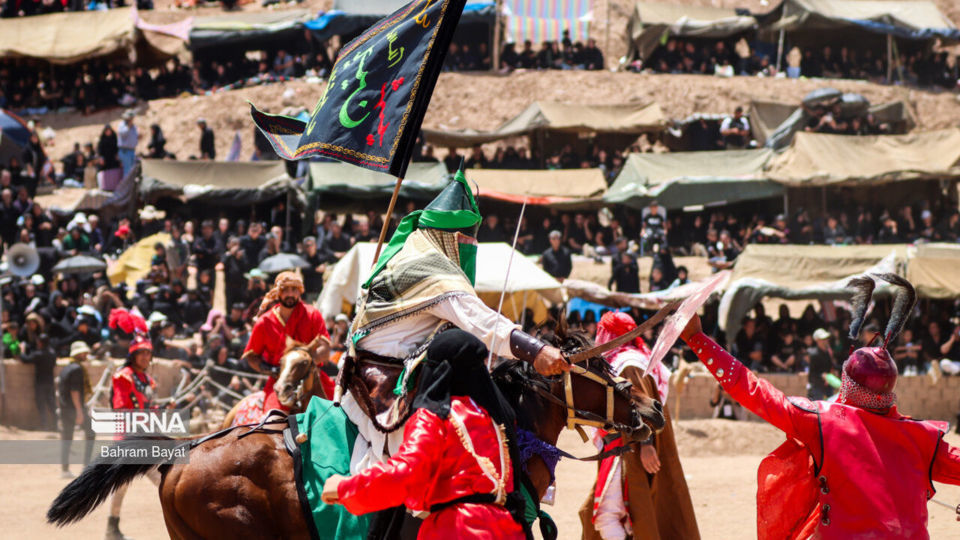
925,214
37,280
156,317
821,333
78,347
341,318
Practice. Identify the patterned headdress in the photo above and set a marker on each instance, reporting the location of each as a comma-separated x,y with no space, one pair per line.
284,279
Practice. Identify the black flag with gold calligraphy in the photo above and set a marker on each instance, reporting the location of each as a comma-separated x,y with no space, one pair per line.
378,91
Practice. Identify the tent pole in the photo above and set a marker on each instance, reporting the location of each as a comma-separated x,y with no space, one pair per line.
287,232
386,222
786,202
495,50
889,58
779,50
607,24
823,199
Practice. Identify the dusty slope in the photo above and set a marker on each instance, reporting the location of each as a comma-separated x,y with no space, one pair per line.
483,101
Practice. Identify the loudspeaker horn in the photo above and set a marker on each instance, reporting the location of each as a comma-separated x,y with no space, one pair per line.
22,260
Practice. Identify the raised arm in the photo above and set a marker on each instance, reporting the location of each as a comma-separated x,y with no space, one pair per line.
754,393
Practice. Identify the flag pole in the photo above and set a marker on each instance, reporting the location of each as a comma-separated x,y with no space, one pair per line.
386,222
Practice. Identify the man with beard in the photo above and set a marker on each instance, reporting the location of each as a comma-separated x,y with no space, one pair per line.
283,315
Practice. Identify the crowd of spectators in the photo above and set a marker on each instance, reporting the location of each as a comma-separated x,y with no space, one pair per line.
817,344
26,8
27,89
729,58
563,54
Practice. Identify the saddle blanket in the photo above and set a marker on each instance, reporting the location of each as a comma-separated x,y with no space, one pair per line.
325,452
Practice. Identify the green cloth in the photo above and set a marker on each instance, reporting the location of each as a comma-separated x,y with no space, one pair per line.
11,343
454,208
327,451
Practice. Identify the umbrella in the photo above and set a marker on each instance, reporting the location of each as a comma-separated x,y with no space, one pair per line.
80,264
14,135
282,261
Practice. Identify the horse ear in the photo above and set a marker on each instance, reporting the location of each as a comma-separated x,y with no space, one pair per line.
314,345
290,343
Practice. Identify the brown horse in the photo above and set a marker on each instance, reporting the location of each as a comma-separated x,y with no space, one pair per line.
297,381
242,484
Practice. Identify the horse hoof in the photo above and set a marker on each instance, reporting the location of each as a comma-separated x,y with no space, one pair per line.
301,438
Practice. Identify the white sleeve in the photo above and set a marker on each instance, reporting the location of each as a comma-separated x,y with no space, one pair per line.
611,510
725,124
746,123
470,314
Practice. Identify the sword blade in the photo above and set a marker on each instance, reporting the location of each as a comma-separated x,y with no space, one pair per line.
625,338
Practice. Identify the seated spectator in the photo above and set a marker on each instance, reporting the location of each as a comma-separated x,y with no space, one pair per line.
786,358
735,130
658,282
337,242
749,345
908,353
834,233
556,260
491,231
625,274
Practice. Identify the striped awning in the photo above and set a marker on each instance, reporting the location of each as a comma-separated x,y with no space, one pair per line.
546,20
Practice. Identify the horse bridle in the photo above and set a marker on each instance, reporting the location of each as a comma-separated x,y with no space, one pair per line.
577,418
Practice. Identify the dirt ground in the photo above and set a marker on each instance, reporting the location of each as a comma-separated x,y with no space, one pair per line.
720,460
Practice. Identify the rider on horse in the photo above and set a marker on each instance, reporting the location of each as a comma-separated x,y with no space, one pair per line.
455,460
855,468
283,315
421,285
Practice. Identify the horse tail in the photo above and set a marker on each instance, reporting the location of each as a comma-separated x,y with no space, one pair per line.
93,486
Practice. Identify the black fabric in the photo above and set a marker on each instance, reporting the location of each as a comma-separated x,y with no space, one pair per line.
455,366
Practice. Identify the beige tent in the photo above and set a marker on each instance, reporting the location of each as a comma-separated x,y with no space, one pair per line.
538,186
560,117
909,19
652,20
935,270
134,264
682,179
229,183
796,267
767,116
815,159
65,38
800,273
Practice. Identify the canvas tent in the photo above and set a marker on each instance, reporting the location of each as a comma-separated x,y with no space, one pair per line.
631,119
67,200
934,269
543,187
682,179
225,183
134,264
350,17
66,38
773,124
651,21
247,29
816,159
920,20
800,272
339,181
528,284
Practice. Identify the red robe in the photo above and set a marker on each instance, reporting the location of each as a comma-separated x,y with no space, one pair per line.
269,340
434,465
845,472
132,390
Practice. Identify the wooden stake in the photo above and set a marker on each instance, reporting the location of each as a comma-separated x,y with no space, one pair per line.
386,222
